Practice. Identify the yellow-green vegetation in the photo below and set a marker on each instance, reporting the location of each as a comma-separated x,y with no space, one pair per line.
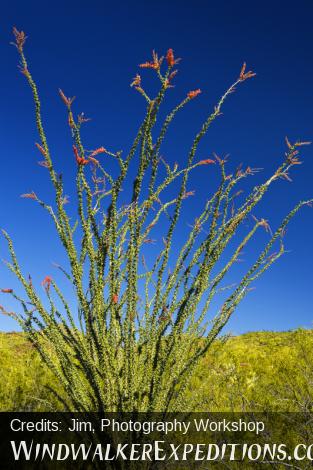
25,381
259,371
262,371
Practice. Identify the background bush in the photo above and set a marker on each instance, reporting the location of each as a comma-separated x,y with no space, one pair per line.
260,371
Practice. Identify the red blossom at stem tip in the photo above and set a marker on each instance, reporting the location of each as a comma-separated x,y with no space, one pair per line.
97,151
192,94
31,195
208,161
244,75
171,61
67,101
115,298
20,39
79,160
170,58
6,291
81,118
154,64
148,65
296,144
46,283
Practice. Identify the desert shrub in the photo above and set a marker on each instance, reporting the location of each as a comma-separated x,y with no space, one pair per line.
141,325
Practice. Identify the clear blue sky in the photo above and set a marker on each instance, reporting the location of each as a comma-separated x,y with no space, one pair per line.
91,49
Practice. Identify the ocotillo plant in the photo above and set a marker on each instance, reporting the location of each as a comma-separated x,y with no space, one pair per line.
141,327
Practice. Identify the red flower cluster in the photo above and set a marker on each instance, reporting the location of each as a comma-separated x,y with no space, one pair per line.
97,151
170,58
83,161
31,195
208,161
46,283
171,61
154,64
20,39
67,101
192,94
244,75
7,291
79,160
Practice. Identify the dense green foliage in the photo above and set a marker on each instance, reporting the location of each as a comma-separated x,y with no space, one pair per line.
254,371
